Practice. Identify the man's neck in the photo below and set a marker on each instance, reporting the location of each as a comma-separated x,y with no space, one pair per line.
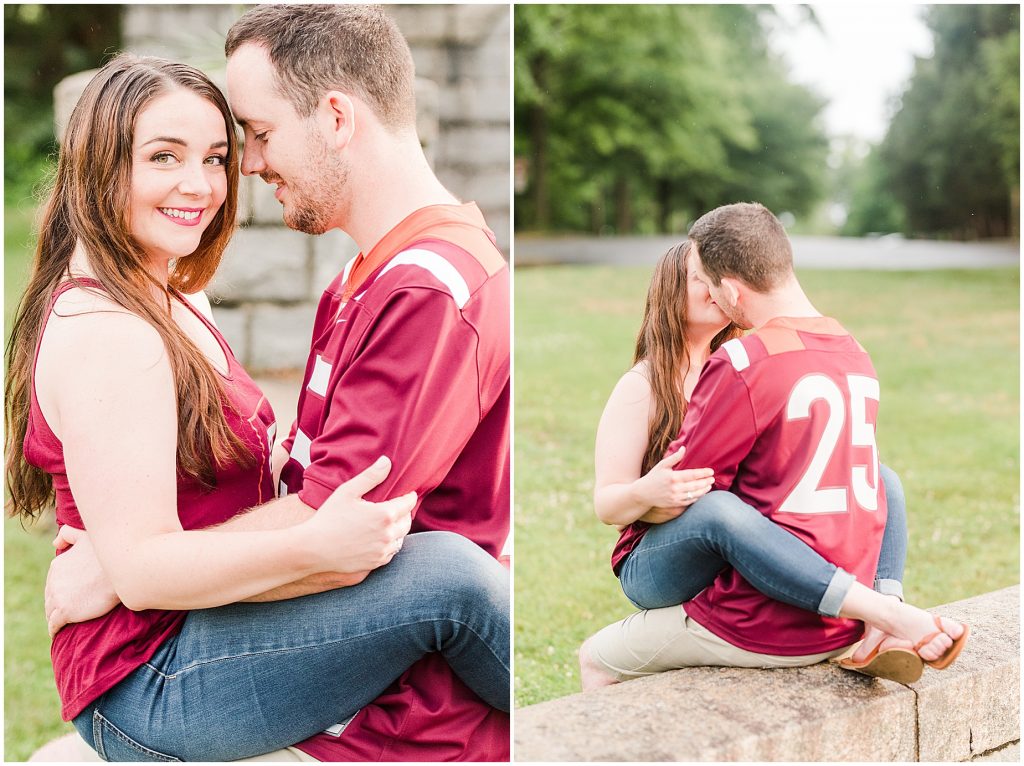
786,301
397,182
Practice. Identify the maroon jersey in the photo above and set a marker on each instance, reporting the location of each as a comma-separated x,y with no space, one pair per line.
415,366
786,418
91,657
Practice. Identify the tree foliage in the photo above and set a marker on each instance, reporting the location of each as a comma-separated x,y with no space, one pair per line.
641,117
950,158
42,45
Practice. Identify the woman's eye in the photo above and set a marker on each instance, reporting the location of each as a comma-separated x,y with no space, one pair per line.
261,136
217,159
163,158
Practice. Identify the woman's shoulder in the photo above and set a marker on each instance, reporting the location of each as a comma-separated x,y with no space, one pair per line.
634,387
637,378
90,322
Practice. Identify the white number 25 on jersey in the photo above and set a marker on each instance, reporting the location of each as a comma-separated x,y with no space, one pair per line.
807,496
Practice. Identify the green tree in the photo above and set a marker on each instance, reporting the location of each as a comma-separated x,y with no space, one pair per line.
951,152
42,45
636,118
871,206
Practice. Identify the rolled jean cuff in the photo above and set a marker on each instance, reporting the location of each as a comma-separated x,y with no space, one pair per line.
889,588
835,593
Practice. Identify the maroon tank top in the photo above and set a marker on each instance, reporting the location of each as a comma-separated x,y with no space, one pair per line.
91,657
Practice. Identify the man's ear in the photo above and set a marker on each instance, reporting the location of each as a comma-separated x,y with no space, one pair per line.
340,113
732,289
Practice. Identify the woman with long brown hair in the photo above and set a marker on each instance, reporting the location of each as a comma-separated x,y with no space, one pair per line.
690,533
126,408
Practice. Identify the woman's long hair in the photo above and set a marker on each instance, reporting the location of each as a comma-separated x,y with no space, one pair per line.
89,202
661,342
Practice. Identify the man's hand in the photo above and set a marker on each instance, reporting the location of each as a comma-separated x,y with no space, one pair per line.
77,589
317,583
661,515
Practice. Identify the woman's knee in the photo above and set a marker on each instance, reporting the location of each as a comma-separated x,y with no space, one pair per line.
461,572
721,511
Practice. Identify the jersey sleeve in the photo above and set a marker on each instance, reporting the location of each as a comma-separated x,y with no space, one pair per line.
408,390
719,429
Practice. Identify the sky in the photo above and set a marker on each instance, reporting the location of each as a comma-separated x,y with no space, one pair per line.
861,58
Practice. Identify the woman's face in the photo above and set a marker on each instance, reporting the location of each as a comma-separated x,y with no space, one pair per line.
179,174
700,308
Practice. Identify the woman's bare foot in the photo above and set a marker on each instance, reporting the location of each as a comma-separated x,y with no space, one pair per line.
876,637
914,625
593,675
892,618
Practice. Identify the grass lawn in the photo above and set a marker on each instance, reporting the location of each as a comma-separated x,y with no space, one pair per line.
946,347
31,707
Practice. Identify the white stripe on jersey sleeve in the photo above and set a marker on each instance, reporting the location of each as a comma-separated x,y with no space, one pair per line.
300,448
282,489
442,270
321,374
737,354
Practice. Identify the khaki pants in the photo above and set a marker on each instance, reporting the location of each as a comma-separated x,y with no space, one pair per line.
655,640
71,748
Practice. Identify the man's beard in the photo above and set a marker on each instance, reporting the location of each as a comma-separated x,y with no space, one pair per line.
313,206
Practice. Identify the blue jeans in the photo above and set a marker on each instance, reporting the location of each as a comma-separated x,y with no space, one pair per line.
245,679
676,560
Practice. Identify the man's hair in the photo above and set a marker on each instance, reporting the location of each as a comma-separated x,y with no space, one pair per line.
744,241
356,49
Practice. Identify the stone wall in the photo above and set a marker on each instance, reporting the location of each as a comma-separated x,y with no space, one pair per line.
818,713
266,291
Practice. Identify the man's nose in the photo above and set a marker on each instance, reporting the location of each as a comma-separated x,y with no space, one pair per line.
252,159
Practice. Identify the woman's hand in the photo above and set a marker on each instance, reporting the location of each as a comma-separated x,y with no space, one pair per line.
355,535
663,488
77,588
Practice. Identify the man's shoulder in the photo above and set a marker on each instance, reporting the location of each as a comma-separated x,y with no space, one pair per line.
438,266
783,339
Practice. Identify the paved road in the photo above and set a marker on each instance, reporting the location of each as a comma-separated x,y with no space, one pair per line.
808,252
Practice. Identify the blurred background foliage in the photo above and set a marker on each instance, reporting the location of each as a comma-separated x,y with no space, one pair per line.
636,119
42,45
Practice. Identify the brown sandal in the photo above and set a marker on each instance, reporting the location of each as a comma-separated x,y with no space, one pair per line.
900,665
951,653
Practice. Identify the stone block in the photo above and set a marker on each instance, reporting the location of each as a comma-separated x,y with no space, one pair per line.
490,56
487,186
233,323
474,146
427,104
65,96
184,32
499,222
422,23
264,207
264,263
246,199
475,23
969,711
819,713
431,62
484,99
331,251
1008,754
973,706
280,336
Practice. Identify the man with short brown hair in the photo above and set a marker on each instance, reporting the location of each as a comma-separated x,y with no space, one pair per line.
410,352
